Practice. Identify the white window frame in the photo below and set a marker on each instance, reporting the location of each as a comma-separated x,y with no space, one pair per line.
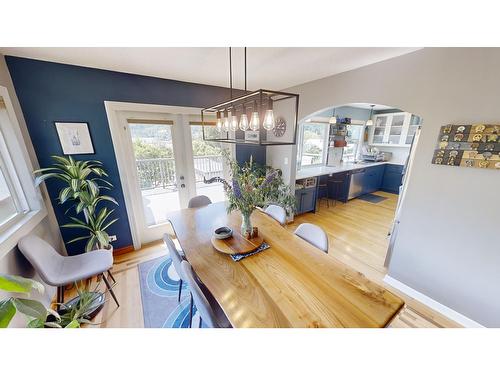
18,172
301,145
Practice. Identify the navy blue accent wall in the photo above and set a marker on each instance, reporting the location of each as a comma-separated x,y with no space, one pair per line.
51,92
258,153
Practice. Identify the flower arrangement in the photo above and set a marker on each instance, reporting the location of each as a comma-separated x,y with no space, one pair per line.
253,186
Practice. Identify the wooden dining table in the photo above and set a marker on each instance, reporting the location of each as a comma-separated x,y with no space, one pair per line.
291,284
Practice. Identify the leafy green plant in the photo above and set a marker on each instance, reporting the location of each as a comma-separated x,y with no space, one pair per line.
69,316
253,185
35,311
84,181
75,315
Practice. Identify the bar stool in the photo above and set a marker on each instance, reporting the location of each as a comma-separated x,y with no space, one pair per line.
337,187
323,193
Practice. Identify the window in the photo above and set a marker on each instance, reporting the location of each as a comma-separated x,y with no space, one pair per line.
12,200
21,206
353,138
8,209
314,139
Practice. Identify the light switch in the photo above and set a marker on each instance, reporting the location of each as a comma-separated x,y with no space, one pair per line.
285,161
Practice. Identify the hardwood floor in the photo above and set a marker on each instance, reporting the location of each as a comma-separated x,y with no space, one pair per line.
357,233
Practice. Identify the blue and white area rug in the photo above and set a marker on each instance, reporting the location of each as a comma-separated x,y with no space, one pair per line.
159,291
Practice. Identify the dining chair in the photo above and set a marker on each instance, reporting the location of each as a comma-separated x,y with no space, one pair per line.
314,235
210,312
176,260
199,201
278,213
58,270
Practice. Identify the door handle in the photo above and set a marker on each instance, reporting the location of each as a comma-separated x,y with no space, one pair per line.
183,186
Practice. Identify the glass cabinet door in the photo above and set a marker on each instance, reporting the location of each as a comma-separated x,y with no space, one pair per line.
396,130
379,129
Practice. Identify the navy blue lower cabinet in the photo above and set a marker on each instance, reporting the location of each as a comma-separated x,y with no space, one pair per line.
305,200
372,180
393,178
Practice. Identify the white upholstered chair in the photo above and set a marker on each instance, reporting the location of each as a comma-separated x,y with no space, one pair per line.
199,201
314,235
58,270
176,260
278,213
210,312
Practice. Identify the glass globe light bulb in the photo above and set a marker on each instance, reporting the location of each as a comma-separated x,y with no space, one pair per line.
225,124
255,121
218,125
233,124
244,122
268,123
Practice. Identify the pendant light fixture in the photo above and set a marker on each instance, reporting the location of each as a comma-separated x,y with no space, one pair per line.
333,119
244,120
370,121
233,122
218,123
248,111
268,122
225,121
255,120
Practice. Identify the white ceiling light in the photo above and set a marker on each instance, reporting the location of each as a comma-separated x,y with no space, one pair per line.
370,121
333,119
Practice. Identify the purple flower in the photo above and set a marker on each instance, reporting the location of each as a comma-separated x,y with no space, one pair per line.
269,178
236,189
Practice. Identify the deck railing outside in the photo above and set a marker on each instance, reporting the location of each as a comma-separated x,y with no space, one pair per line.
160,172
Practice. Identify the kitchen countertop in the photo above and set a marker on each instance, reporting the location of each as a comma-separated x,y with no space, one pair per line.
308,172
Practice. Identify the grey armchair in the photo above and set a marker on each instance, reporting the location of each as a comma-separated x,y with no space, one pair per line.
210,312
313,234
199,201
278,213
58,270
177,259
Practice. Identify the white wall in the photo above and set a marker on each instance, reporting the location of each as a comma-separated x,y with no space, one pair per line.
448,245
277,156
13,262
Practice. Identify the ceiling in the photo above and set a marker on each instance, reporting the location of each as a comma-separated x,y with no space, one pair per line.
376,107
273,68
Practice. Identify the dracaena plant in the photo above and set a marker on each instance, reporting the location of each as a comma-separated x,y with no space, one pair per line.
83,183
38,316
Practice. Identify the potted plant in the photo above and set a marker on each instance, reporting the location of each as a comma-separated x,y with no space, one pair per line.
254,186
71,315
83,182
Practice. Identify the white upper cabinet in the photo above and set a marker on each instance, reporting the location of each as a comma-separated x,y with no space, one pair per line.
394,129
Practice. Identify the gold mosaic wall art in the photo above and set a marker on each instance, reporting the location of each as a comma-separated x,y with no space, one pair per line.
472,146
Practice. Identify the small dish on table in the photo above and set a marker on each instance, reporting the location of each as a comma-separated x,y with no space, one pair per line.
223,233
236,244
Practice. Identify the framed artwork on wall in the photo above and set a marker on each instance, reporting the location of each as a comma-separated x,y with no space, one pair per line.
74,138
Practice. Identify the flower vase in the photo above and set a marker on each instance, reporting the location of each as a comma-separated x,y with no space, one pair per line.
246,224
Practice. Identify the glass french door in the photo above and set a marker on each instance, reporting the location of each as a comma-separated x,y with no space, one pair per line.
166,163
157,165
207,163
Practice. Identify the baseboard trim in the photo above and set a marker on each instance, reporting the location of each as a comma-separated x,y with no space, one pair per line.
442,309
123,250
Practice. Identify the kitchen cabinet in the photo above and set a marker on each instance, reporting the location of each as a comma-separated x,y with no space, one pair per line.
393,129
393,178
372,179
305,200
